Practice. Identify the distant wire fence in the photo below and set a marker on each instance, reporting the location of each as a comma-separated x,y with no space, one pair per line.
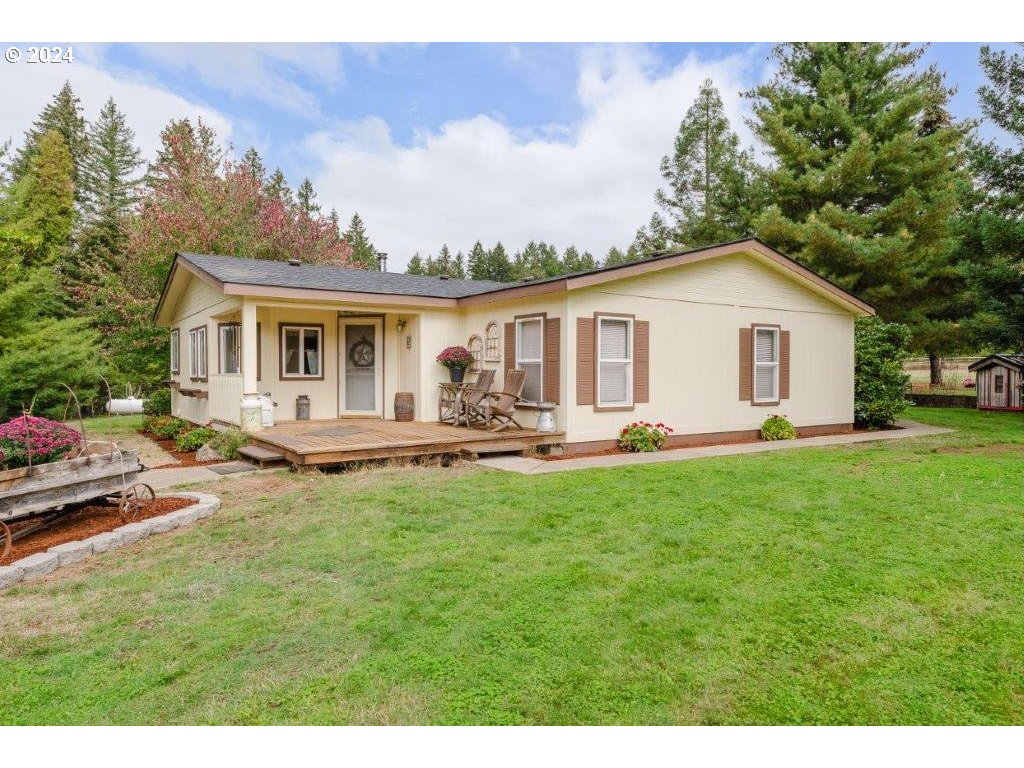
954,375
948,363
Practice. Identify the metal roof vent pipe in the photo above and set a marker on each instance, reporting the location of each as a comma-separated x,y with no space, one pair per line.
382,261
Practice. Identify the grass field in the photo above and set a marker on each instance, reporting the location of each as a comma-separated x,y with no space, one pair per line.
871,583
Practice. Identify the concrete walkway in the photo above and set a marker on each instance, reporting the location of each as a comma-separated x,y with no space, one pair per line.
167,477
527,466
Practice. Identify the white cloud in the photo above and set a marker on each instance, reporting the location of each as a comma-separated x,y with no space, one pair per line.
480,178
26,88
264,72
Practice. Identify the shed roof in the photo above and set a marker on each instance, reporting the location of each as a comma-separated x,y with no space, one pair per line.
1015,360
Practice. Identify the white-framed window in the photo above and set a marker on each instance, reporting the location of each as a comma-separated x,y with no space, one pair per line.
230,347
529,356
492,342
615,362
175,351
476,348
766,365
302,351
197,353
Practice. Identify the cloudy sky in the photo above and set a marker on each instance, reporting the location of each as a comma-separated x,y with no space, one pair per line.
439,143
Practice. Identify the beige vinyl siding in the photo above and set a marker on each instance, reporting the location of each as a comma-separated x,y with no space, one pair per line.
200,303
475,319
694,348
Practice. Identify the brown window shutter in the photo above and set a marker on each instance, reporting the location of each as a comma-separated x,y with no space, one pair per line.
584,361
746,363
510,346
783,365
552,358
641,361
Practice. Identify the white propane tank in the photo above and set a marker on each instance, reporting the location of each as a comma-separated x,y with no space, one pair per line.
267,403
124,405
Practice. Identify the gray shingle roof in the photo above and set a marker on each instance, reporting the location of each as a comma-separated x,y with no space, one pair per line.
281,274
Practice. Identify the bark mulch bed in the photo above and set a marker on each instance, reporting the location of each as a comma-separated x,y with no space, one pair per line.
184,459
86,522
702,444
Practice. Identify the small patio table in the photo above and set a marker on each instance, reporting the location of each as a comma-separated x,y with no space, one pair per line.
449,402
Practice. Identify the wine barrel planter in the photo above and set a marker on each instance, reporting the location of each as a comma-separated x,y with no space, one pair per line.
405,406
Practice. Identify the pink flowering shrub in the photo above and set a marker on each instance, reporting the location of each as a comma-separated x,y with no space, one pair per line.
42,439
643,437
455,357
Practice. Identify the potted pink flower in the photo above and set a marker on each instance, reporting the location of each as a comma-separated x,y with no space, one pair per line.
456,360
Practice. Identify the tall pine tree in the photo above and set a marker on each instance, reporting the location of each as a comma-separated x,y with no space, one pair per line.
865,175
64,115
364,255
993,222
109,177
306,197
709,177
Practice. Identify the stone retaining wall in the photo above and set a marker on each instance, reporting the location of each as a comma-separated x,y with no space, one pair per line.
42,563
943,401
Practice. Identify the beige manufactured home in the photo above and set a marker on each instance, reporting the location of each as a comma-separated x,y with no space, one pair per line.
708,341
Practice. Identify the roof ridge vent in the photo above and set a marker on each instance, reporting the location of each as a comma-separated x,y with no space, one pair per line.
444,277
528,279
295,262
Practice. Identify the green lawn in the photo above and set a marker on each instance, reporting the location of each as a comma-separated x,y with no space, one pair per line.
878,583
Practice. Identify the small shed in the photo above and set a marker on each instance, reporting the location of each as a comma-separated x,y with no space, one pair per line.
999,381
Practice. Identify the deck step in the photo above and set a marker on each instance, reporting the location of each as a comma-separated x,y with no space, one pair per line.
261,456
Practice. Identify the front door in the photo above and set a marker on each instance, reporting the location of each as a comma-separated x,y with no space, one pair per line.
361,363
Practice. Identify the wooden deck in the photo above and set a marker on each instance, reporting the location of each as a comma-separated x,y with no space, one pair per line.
336,441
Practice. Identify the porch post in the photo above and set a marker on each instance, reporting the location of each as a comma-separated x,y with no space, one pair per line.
251,419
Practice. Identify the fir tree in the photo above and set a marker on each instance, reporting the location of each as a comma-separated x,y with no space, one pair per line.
499,267
64,115
364,255
992,226
709,177
863,184
477,267
649,239
252,162
277,188
574,261
109,176
306,197
614,258
415,265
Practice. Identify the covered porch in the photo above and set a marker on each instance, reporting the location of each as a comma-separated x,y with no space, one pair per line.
337,441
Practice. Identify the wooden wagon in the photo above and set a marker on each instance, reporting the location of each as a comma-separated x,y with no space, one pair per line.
48,492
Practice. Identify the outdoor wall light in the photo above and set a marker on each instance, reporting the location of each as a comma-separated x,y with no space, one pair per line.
401,324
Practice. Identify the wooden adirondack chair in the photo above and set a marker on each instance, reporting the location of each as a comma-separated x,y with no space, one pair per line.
497,410
474,394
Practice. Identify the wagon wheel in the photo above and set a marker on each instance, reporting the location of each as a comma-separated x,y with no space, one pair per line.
134,500
5,540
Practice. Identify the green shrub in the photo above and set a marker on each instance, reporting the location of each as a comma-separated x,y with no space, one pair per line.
879,380
228,442
643,437
778,427
158,403
165,427
194,439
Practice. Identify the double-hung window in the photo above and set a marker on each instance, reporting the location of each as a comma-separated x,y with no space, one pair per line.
529,356
766,365
197,353
615,362
230,346
302,351
175,351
